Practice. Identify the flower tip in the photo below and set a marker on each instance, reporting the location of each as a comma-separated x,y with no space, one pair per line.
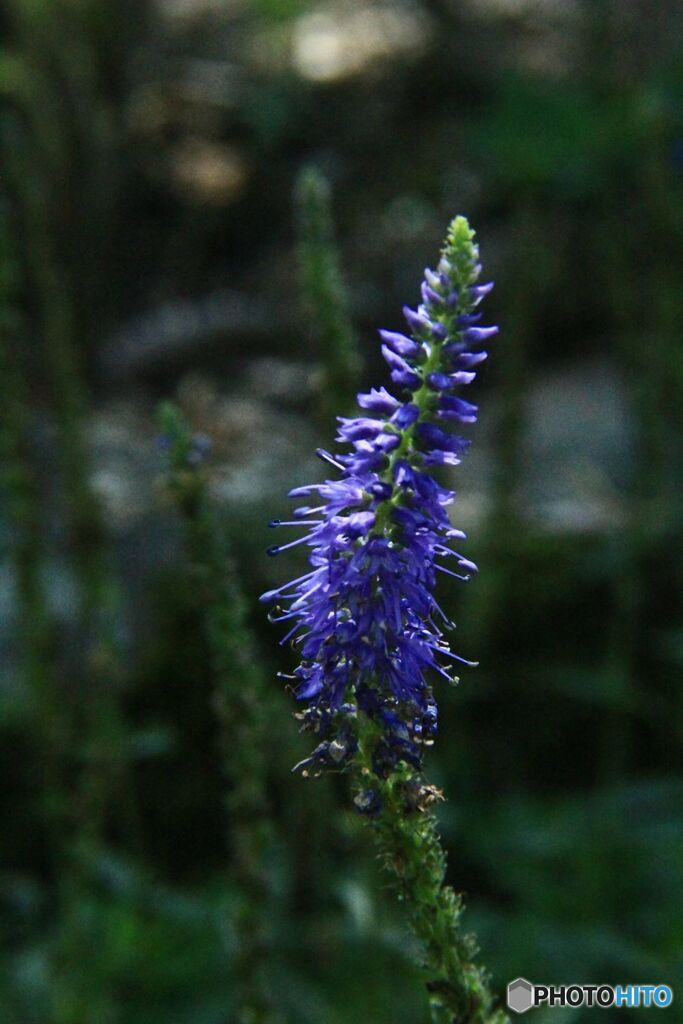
273,523
480,291
465,563
475,334
274,549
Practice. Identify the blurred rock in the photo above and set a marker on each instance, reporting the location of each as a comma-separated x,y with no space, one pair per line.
576,453
283,381
182,15
257,447
125,463
578,447
163,337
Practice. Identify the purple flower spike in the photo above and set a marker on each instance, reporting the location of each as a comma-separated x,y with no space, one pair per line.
364,617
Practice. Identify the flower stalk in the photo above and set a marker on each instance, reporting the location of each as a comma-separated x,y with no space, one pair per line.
365,618
409,847
324,293
240,701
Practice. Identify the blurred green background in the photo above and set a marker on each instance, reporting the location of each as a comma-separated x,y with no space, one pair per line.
157,857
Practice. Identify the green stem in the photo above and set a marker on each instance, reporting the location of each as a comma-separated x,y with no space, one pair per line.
407,837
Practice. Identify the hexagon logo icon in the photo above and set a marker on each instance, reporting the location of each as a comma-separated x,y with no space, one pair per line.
520,995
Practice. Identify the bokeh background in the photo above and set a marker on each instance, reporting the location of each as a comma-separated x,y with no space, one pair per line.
156,852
